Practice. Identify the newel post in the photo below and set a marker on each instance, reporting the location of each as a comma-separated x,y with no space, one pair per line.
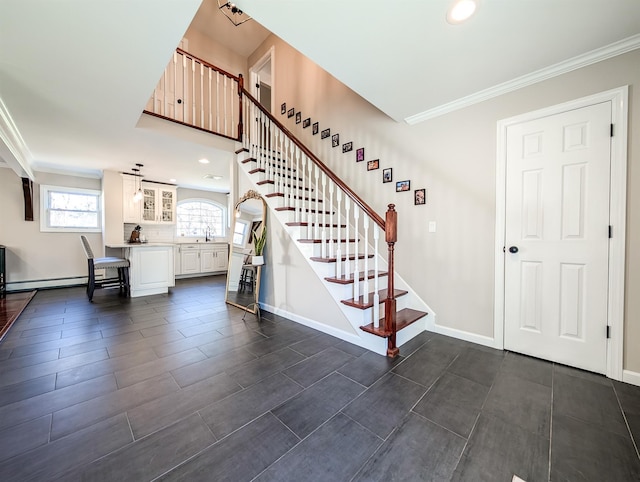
240,124
391,236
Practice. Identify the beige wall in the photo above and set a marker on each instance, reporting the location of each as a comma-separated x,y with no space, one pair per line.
211,51
454,158
31,254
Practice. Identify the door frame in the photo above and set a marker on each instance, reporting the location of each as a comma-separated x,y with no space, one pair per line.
617,217
268,58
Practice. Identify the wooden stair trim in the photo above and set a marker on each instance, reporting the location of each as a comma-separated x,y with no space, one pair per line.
305,224
269,181
404,318
343,280
291,208
333,260
361,305
288,176
281,194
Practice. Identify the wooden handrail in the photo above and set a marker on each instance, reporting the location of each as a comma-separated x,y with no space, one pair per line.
207,64
346,189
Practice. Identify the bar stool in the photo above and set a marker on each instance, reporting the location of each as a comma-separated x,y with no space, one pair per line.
103,263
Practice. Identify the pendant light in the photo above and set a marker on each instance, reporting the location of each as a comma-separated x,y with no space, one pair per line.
137,196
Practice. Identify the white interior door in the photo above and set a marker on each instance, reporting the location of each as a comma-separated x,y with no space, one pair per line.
557,227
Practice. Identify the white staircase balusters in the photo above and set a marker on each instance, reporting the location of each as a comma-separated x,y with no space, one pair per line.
226,116
316,231
376,287
338,232
193,92
323,248
305,200
218,102
330,229
347,261
201,95
210,116
184,83
365,284
356,265
300,187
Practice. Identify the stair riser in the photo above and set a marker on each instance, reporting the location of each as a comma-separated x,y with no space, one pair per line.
367,315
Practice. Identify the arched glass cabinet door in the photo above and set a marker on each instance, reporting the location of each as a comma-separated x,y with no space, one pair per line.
248,236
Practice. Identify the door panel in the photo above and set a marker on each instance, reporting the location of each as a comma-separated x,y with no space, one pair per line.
557,216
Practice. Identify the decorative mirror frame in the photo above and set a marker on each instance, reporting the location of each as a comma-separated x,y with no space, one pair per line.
252,307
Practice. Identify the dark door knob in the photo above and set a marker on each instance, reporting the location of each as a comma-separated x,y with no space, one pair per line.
513,249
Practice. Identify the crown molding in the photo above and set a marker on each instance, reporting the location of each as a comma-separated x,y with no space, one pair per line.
595,56
13,149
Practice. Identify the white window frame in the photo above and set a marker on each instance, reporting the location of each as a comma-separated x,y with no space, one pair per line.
44,209
223,223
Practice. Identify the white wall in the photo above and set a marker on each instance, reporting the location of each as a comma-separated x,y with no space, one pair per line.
454,158
31,254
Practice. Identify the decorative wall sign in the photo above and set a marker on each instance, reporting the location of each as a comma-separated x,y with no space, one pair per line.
420,196
347,146
306,123
387,175
325,133
298,117
335,140
315,128
371,165
403,186
360,154
291,112
283,108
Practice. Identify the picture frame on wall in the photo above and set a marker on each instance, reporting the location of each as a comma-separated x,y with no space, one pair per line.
283,108
360,154
306,123
291,113
347,146
372,165
325,133
335,140
387,175
403,186
420,196
315,128
298,117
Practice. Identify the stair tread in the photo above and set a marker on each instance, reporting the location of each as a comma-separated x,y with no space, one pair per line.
360,303
287,176
305,224
404,318
334,259
291,208
281,194
317,241
345,280
269,181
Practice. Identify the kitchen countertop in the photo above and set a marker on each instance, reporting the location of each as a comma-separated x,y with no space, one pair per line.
138,245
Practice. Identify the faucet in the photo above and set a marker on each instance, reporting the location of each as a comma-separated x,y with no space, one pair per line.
207,235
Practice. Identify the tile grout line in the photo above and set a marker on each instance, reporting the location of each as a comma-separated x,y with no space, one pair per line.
626,422
553,379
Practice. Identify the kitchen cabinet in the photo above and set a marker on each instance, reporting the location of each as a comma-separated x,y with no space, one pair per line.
158,204
203,258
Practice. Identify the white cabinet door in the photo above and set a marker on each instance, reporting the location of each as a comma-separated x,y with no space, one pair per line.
167,205
177,262
130,209
151,270
158,204
149,204
190,258
207,259
221,260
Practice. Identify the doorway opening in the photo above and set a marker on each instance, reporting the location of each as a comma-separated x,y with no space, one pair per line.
262,80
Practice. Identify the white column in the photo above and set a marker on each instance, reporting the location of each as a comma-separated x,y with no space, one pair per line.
365,284
338,233
376,295
356,266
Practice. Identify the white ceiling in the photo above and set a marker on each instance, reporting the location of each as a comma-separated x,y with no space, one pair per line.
76,74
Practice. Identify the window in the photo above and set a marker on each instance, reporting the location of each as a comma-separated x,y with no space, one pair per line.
194,216
240,232
68,209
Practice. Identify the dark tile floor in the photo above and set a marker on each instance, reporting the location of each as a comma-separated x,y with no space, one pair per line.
180,387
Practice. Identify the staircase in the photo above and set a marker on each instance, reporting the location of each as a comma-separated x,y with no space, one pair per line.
336,231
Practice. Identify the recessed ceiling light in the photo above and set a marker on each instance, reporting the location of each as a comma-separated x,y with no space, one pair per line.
172,180
212,176
203,161
461,10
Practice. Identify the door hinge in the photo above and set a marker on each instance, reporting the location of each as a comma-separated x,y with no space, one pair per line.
611,132
608,331
610,231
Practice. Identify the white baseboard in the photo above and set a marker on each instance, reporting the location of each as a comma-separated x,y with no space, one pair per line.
47,283
465,335
631,377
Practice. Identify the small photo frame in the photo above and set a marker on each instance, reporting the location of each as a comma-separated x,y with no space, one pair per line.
347,146
360,154
403,186
325,133
420,196
387,175
315,128
298,117
372,165
335,140
306,123
291,112
283,108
